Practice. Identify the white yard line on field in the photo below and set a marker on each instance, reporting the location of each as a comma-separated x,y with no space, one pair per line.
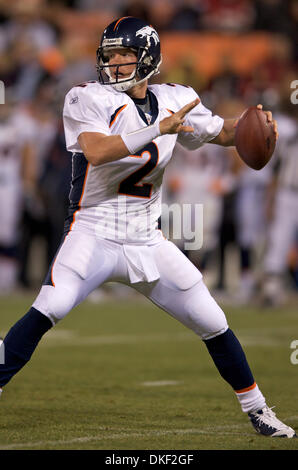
71,338
223,430
160,383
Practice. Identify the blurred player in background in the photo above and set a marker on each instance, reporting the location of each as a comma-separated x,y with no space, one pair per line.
250,220
17,178
122,133
38,116
284,218
202,176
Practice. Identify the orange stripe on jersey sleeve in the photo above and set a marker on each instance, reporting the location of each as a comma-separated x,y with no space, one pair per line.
247,389
117,114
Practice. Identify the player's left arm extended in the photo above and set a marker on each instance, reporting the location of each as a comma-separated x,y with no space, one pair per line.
226,137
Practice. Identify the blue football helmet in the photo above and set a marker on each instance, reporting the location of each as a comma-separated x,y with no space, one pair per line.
142,39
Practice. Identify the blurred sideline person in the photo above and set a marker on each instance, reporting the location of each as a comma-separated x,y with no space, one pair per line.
39,116
17,178
250,221
199,177
284,223
54,186
122,132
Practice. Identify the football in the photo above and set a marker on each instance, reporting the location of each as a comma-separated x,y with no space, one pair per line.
254,138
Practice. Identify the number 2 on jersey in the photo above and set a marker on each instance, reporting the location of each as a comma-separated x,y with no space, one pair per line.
131,185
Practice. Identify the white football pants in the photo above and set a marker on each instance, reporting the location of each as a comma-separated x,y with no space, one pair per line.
160,272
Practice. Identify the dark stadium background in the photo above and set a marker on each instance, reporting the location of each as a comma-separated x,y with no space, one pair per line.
234,53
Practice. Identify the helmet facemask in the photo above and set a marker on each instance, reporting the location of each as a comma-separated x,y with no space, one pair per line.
143,68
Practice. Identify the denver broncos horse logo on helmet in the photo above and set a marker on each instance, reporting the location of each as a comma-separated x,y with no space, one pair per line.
149,32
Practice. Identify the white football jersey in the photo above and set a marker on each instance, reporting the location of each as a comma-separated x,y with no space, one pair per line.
121,200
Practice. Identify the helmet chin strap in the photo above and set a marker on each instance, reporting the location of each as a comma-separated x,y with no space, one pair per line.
127,85
124,86
124,83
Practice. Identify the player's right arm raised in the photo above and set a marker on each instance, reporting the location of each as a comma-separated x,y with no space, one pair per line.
175,123
99,148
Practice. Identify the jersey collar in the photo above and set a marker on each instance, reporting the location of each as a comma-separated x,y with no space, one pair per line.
153,106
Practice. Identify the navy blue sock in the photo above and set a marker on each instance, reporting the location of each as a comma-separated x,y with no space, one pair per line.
230,360
21,341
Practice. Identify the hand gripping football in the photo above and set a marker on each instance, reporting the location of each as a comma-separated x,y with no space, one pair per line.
255,138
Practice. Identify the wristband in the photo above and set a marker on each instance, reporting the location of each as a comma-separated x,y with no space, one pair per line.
136,140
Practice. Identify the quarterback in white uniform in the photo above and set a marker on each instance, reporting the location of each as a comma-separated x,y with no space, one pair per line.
121,132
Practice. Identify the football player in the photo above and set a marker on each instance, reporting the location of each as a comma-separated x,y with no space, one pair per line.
121,132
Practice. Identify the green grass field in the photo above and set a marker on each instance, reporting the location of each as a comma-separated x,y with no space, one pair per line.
125,375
